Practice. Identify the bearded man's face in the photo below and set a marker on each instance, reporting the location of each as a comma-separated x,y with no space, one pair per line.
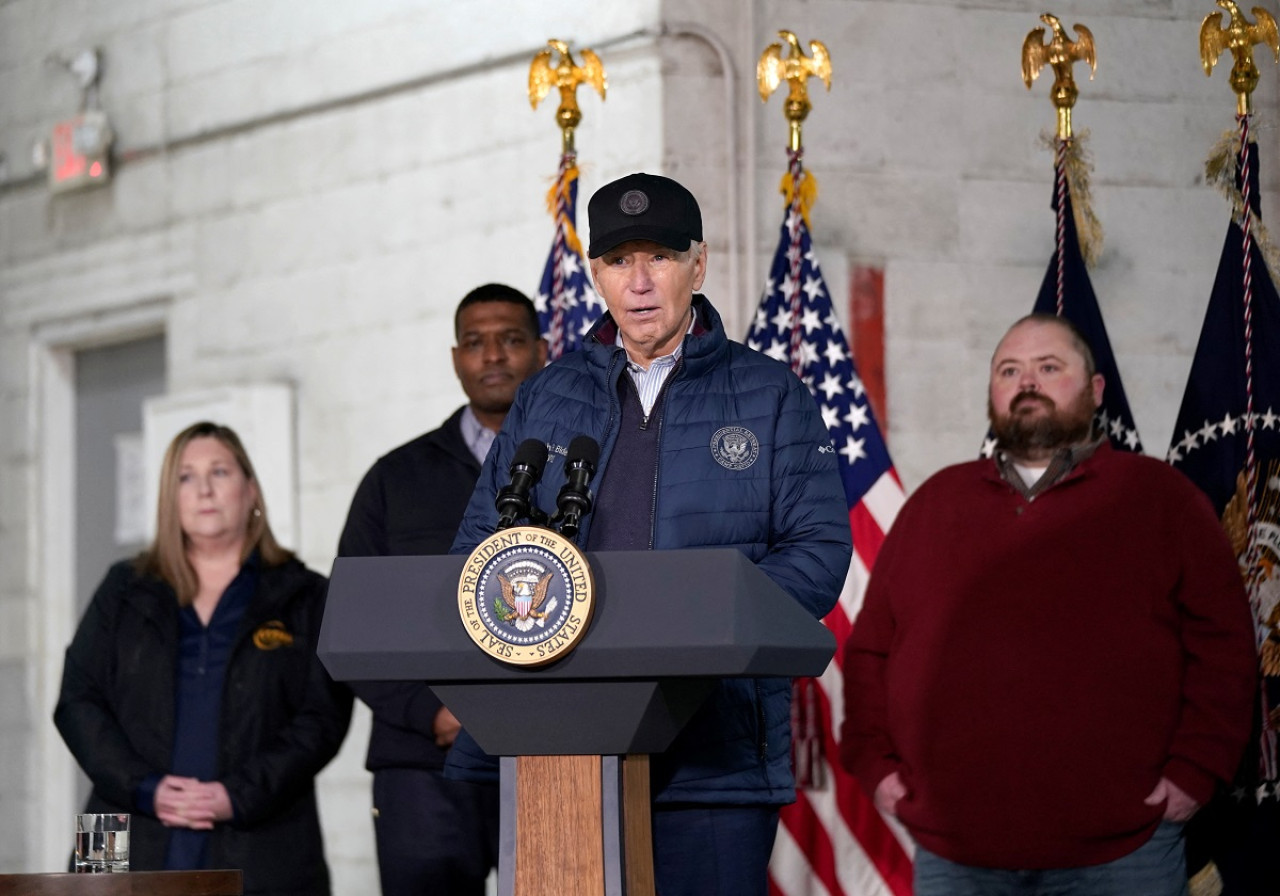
1042,396
1036,426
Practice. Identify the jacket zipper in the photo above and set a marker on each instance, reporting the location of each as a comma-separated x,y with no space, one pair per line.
657,466
762,744
605,440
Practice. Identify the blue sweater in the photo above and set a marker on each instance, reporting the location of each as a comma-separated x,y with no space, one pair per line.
774,493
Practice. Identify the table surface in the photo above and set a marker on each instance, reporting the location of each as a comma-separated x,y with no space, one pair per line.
141,883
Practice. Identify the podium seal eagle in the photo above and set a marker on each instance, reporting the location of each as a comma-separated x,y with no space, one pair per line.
526,596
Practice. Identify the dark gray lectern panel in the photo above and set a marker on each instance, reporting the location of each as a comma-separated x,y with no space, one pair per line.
659,614
575,718
667,626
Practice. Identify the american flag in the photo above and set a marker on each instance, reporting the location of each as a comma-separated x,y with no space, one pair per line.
1227,440
1068,292
567,304
832,840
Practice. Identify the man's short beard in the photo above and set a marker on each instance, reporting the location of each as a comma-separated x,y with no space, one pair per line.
1047,433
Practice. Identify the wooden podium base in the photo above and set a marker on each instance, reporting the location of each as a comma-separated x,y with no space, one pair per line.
575,826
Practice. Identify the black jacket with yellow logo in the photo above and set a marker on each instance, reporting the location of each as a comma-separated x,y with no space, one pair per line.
282,720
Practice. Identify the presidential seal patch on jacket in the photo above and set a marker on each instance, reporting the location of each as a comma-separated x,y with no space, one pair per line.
526,595
735,447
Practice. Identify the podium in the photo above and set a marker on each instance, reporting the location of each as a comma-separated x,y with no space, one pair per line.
574,735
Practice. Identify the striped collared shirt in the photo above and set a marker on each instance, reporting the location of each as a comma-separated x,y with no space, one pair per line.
649,382
477,436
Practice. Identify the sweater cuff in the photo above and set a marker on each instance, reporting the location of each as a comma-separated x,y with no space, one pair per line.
870,774
1197,783
422,710
144,796
869,757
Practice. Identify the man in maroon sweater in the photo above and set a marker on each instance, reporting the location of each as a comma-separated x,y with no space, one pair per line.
1055,661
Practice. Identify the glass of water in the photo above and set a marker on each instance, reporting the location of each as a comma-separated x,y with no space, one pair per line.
102,843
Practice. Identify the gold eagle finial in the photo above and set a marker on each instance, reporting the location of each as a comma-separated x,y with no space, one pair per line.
1060,54
1239,37
795,68
566,75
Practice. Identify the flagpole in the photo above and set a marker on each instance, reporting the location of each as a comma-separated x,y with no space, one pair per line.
801,189
556,67
1253,577
1066,290
1060,186
1251,464
796,69
795,169
1060,53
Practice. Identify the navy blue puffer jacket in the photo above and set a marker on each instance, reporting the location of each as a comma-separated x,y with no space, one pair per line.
786,511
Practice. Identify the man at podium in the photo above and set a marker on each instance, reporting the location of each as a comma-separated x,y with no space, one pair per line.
703,443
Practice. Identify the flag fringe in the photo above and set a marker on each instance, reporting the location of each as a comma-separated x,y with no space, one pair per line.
1220,170
808,193
1079,165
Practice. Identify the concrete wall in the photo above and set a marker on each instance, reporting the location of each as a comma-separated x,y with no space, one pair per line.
306,188
930,163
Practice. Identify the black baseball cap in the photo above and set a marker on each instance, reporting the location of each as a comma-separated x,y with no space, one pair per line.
643,207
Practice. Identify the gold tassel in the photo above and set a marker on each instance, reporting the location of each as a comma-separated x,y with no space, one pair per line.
560,188
1078,166
808,193
1220,170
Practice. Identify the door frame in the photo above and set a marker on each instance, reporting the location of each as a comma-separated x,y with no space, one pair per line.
53,508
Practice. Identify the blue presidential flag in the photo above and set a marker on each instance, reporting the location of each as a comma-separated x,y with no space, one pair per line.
1234,385
1068,292
1227,440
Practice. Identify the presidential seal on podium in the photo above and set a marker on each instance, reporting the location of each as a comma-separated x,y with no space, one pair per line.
526,595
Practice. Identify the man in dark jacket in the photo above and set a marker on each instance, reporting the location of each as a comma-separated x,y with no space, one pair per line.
703,443
437,836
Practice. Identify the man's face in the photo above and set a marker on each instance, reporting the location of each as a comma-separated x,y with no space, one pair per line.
648,289
495,353
1042,397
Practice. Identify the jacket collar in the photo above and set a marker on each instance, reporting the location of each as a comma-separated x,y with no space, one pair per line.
1081,460
703,347
156,599
448,438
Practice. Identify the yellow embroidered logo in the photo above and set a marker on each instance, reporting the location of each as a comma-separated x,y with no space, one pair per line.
271,635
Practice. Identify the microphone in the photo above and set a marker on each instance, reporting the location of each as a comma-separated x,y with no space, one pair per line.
512,502
575,498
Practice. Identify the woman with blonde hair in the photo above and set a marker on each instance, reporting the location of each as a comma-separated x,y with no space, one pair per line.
191,694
